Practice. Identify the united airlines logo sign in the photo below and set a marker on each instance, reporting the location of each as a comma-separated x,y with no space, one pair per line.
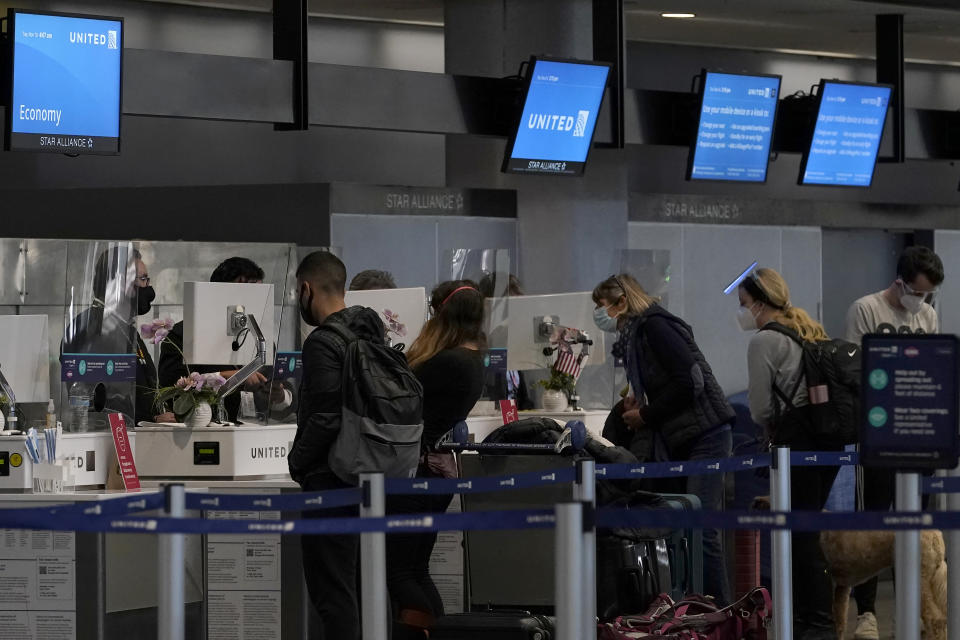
108,39
580,128
560,123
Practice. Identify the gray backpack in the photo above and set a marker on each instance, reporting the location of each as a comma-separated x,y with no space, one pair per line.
382,412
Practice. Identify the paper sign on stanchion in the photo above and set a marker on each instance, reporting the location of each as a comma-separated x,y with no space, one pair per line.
121,443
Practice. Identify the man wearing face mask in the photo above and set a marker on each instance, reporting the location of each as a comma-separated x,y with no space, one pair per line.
903,307
330,563
121,293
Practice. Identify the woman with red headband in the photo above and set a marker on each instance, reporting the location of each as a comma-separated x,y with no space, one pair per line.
447,358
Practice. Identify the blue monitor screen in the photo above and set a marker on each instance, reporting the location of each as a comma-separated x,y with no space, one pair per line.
847,135
736,125
559,116
66,84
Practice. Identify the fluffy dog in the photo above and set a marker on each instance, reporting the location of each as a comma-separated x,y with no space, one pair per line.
856,556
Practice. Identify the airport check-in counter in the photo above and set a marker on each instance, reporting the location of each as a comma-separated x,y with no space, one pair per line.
250,586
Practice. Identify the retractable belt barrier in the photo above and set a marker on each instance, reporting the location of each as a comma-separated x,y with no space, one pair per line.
118,514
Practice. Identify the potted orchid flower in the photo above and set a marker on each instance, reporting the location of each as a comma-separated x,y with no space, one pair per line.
193,396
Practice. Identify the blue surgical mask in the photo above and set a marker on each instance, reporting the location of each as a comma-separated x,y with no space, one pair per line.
604,321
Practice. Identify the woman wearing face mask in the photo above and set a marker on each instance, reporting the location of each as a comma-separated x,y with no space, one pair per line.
774,364
676,410
121,293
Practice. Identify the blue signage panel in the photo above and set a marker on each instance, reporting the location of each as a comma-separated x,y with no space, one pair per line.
909,397
98,367
847,135
288,364
736,125
559,116
66,84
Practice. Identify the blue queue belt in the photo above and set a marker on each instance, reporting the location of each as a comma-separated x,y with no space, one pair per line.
940,485
274,502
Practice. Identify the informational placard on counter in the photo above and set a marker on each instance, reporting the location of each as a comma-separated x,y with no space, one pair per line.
909,397
98,367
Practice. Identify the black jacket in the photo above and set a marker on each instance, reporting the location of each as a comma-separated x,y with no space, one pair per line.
684,399
318,419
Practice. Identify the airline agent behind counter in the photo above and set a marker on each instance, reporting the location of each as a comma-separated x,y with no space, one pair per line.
121,292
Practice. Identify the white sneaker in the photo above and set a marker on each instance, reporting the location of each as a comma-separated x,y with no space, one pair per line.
866,627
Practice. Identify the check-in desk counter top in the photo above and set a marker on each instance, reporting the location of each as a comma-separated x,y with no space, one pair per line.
481,426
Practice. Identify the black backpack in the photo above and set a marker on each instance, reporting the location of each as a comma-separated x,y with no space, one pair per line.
381,414
831,370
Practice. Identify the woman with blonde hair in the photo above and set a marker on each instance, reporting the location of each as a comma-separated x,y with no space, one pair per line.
447,358
676,410
775,368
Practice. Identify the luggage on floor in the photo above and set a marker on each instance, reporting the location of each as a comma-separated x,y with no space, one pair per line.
695,618
630,574
685,547
494,625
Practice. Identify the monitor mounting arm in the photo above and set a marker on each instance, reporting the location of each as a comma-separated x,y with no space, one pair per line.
7,390
240,323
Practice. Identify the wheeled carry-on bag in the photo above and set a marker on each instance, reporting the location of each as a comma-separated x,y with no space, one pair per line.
493,625
685,547
630,574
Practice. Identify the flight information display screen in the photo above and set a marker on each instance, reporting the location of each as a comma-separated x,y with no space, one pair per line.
846,138
559,117
65,96
737,114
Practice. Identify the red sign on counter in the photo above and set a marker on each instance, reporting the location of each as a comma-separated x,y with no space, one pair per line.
508,409
128,468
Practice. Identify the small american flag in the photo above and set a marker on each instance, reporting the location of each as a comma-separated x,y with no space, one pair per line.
569,363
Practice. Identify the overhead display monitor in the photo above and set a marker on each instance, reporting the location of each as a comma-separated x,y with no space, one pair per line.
64,92
737,114
846,138
559,116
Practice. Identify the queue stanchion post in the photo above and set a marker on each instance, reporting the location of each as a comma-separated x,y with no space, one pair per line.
907,561
781,546
170,572
373,560
585,492
569,568
953,559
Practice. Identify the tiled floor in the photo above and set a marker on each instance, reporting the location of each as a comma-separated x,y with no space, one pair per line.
885,607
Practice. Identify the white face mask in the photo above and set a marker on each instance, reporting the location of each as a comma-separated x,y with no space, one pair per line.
911,302
604,321
747,319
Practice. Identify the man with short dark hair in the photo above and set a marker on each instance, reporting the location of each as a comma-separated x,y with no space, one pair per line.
372,279
330,563
903,307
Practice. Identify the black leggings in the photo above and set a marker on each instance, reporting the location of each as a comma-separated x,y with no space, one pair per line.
812,586
412,591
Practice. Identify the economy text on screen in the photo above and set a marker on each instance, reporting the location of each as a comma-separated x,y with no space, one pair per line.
736,124
66,84
559,117
847,135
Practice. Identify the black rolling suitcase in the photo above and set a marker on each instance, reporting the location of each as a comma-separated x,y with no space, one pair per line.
493,625
630,574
